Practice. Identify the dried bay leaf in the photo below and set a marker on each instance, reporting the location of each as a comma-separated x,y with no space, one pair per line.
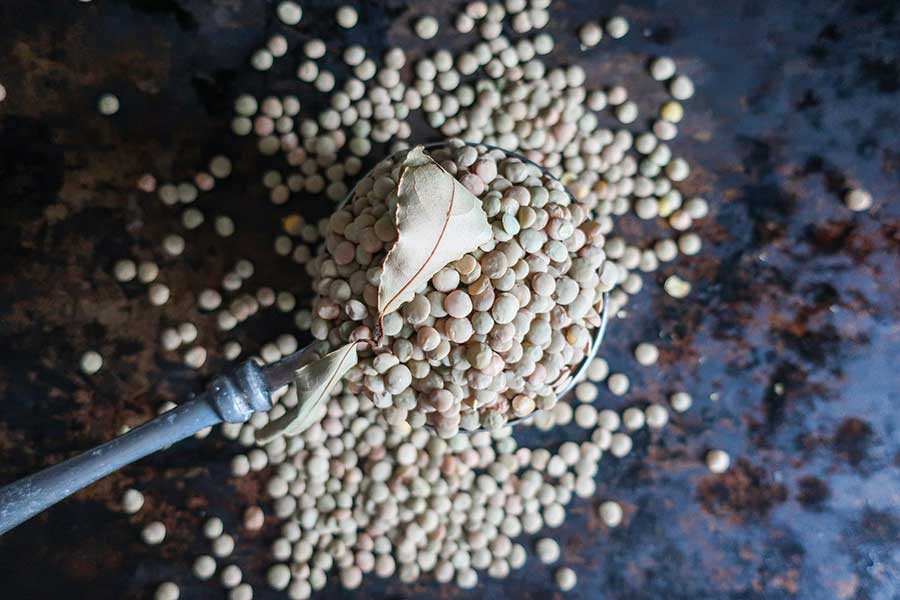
438,221
314,383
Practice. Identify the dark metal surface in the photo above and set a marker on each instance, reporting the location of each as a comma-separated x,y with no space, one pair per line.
792,324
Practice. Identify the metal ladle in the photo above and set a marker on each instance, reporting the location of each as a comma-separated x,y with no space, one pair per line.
229,398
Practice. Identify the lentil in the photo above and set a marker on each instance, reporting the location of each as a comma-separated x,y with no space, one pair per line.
611,513
547,550
231,576
617,27
858,200
633,418
426,27
346,17
662,68
289,12
204,567
680,401
213,528
718,461
125,270
167,591
253,518
108,105
132,501
153,533
656,416
646,354
590,34
223,546
91,362
620,445
566,579
681,87
618,384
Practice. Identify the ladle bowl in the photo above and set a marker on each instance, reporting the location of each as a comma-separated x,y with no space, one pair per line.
580,373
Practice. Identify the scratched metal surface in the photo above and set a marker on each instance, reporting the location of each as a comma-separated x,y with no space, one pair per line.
795,101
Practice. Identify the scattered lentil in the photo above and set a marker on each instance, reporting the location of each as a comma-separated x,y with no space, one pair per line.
590,34
858,200
566,579
242,592
646,354
617,27
223,546
620,445
132,501
108,105
718,461
586,392
147,272
167,591
677,287
657,416
213,528
278,576
681,87
231,576
125,270
158,294
289,12
680,401
662,68
346,17
611,513
618,384
204,567
153,533
262,60
91,362
633,418
426,27
547,550
598,370
254,518
195,357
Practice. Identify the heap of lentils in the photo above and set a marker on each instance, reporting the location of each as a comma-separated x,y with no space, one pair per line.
359,497
493,335
369,490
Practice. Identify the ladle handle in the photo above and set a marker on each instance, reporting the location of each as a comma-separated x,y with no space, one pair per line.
226,399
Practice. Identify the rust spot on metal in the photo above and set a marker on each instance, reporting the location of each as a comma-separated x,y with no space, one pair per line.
744,492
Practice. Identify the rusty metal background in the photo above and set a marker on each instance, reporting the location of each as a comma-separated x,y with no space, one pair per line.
792,325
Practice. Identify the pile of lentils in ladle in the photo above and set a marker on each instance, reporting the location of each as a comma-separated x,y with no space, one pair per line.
493,335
